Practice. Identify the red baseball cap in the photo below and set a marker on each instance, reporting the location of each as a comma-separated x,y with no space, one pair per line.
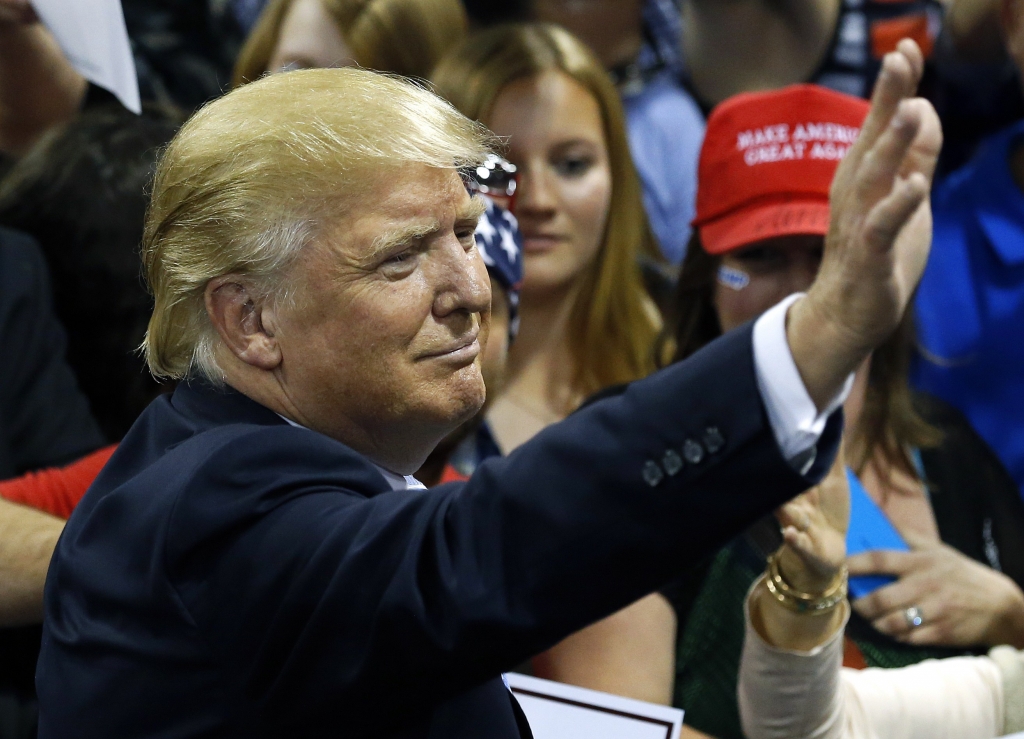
768,161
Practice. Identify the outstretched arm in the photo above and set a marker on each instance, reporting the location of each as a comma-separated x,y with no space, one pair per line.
38,86
27,541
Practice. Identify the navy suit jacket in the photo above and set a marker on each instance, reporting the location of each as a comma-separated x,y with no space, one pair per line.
230,575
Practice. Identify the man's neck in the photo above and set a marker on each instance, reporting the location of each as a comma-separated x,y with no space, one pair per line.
401,450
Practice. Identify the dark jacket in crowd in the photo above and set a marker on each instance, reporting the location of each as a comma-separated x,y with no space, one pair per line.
44,418
231,575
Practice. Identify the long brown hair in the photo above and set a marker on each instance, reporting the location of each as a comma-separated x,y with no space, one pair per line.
613,323
406,37
889,424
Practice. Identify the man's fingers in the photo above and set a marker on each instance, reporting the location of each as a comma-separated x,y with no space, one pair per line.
924,151
912,52
881,164
896,81
887,218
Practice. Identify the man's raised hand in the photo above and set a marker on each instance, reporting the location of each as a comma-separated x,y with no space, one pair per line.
879,235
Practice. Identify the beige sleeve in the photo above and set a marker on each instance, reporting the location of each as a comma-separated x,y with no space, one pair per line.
805,695
1011,664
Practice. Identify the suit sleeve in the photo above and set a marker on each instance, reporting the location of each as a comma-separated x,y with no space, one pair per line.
45,419
402,599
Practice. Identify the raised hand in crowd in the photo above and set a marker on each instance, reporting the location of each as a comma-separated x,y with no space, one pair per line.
792,684
812,558
962,603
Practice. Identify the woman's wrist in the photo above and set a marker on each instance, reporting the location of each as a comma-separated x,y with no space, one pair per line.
801,577
784,628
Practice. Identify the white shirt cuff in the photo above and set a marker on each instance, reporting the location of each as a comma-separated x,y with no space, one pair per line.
794,419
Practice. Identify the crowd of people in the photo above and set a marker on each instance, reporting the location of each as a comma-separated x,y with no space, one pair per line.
339,380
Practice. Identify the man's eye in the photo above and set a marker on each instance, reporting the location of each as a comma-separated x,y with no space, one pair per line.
576,166
399,258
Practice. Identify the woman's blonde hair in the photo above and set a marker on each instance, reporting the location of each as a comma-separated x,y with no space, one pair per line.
613,323
259,174
406,37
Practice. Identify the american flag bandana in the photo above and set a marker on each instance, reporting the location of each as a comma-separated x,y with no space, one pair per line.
501,245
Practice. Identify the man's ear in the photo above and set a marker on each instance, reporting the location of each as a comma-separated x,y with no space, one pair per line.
241,319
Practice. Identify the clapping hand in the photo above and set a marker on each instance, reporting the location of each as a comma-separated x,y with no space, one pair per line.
941,597
814,530
16,12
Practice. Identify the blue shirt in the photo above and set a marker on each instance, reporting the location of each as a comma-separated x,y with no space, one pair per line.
970,305
666,130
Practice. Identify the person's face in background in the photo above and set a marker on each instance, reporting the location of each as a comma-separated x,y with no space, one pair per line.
613,29
309,38
557,142
771,270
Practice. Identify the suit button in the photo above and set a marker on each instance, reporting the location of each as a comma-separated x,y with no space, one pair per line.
672,462
713,439
652,473
693,452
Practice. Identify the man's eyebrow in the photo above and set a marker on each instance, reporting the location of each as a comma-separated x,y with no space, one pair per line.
389,240
403,235
473,210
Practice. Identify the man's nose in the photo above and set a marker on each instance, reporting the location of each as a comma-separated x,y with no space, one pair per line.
464,282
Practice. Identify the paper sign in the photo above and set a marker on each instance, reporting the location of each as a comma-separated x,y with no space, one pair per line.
559,711
93,37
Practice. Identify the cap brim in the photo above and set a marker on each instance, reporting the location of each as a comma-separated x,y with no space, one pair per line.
769,221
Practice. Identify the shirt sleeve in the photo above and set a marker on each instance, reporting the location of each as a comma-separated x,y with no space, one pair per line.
795,421
56,490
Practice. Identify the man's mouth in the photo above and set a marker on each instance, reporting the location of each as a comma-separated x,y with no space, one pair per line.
466,349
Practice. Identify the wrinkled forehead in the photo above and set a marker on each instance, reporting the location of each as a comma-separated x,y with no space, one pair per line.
400,204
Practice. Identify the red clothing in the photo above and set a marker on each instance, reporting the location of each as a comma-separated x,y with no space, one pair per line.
57,490
450,474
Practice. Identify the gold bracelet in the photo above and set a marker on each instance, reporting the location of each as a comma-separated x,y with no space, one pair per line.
814,604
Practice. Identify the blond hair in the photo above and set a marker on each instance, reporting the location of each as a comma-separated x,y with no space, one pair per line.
256,175
406,37
613,324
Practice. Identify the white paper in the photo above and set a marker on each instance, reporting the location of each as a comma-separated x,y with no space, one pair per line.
559,711
93,37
